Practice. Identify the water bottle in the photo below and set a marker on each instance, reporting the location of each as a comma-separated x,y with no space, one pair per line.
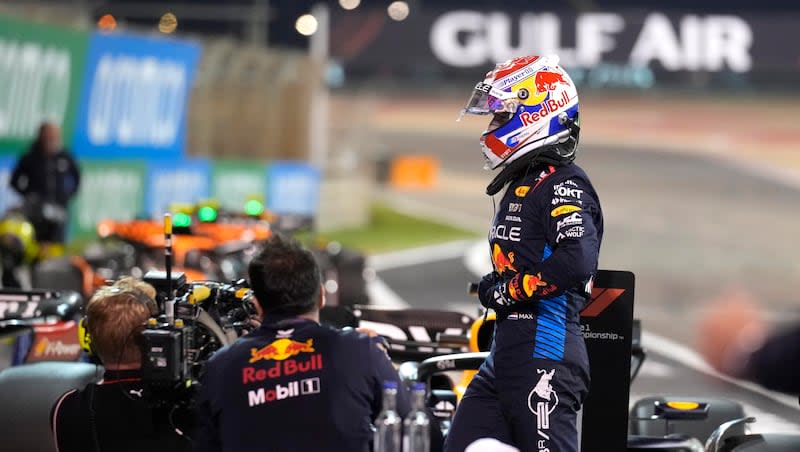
417,425
388,424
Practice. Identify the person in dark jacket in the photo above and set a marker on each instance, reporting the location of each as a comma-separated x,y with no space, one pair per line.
47,177
116,415
293,384
544,243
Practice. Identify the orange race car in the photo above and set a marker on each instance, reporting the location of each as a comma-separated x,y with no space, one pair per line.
206,245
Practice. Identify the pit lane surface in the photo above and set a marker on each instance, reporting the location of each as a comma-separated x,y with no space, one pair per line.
688,226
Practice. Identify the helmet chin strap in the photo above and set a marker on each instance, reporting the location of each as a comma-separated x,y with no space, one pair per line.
515,168
554,154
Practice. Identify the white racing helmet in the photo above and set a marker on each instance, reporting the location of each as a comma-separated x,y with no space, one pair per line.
535,106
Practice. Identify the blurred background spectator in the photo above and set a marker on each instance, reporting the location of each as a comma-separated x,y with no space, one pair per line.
735,339
47,178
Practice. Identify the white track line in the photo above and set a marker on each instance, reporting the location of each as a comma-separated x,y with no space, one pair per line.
421,255
477,259
381,295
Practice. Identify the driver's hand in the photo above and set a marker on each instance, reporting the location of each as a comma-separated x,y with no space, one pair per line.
485,287
368,331
378,340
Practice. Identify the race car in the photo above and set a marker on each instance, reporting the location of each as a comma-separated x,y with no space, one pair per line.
208,243
21,247
39,325
445,349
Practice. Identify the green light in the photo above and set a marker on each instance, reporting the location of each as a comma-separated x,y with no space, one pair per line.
181,220
254,207
207,214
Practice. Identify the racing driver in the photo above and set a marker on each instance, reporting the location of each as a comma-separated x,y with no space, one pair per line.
544,243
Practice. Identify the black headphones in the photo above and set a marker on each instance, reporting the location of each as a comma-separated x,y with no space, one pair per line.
85,338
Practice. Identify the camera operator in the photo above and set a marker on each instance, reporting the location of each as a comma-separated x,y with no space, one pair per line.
114,415
292,384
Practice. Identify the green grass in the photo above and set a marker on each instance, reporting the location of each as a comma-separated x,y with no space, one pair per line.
390,230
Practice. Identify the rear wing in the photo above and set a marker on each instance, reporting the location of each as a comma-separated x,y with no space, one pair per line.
417,334
24,307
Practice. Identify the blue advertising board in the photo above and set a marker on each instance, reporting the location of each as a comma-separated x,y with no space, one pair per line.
8,197
293,188
175,181
134,97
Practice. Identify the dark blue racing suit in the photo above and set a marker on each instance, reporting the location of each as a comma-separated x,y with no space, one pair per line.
544,241
294,385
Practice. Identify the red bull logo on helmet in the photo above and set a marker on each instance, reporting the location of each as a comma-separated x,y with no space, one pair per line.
547,81
281,349
549,106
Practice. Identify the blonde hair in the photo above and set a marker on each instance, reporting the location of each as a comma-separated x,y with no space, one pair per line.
115,314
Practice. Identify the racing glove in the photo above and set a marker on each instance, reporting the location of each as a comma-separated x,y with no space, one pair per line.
493,293
486,283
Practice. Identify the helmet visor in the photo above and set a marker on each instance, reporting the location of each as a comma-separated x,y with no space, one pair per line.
485,99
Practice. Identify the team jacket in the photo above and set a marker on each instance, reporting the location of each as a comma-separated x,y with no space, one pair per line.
294,385
545,241
115,416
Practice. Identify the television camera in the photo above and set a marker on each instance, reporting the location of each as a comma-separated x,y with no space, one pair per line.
194,320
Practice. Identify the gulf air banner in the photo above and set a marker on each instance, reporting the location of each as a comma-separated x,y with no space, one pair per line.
41,75
134,97
631,48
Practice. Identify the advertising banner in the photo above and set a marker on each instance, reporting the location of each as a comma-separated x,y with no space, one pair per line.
607,327
627,48
8,197
234,181
293,188
110,189
134,97
175,181
41,74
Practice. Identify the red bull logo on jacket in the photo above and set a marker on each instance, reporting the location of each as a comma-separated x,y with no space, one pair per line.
280,369
281,349
502,262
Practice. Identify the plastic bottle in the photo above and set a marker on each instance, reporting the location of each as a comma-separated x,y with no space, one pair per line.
417,425
388,424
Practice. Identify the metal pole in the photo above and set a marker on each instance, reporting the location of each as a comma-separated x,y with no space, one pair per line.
257,23
319,118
